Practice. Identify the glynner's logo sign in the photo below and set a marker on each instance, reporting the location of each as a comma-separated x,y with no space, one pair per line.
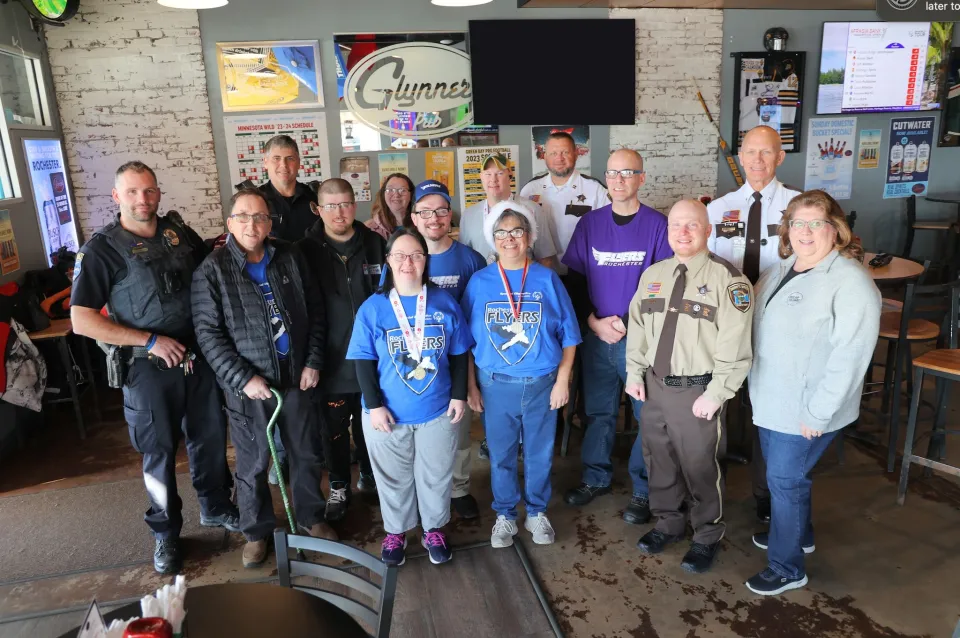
420,77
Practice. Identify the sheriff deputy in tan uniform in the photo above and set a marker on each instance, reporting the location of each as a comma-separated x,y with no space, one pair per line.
688,352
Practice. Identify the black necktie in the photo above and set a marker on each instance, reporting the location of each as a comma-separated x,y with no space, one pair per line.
661,365
751,261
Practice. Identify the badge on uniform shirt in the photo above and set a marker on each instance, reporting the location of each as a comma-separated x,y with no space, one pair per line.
581,198
171,236
654,289
731,216
371,269
702,290
739,294
534,198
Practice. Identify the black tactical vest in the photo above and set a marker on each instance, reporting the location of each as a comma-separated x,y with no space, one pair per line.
155,294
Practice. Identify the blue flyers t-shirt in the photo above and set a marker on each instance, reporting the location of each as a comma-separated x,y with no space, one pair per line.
452,269
258,273
548,321
414,392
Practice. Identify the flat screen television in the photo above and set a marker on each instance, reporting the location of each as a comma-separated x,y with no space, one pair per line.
870,67
529,72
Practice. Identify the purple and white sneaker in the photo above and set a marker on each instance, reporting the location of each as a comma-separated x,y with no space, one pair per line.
393,549
435,542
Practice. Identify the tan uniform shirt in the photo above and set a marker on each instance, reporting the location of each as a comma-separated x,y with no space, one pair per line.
713,327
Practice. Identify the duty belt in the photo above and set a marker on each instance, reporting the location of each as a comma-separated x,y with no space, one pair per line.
139,352
687,382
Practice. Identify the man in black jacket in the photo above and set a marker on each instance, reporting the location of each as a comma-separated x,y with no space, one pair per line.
345,257
290,201
260,321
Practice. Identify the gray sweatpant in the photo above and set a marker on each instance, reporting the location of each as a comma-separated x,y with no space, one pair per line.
413,466
461,463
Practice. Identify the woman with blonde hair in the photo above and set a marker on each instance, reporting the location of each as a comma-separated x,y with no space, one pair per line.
393,205
815,328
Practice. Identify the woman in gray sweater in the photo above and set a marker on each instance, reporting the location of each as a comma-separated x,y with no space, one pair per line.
814,332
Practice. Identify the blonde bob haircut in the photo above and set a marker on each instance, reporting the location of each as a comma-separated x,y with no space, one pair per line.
835,217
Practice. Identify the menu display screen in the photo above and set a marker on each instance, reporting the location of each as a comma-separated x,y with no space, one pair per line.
48,178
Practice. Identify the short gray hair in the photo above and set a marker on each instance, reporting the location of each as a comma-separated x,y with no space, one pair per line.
521,219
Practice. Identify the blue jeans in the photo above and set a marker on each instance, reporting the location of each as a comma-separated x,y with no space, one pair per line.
515,406
603,367
790,458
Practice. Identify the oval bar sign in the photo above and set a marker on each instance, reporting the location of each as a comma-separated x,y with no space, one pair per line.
431,80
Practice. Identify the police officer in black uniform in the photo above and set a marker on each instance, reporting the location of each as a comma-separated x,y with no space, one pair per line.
140,267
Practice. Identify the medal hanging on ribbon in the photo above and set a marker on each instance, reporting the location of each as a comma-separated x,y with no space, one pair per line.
517,325
414,339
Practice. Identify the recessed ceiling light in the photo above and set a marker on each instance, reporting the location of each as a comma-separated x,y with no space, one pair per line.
192,4
459,3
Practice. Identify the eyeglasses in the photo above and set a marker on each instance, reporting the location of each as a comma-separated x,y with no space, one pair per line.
332,207
516,233
427,213
258,219
813,224
626,173
396,191
402,257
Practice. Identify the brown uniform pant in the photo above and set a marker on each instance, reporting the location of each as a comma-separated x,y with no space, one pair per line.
683,455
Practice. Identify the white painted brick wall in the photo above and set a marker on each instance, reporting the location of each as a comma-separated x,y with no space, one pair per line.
677,50
130,84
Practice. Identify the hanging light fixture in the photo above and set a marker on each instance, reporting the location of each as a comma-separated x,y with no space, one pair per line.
459,3
192,4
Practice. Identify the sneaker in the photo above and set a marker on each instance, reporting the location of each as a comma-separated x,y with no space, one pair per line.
322,530
229,519
584,494
166,556
255,553
466,506
503,532
638,511
367,484
770,583
337,502
699,558
393,549
654,541
484,452
763,509
435,542
541,529
762,539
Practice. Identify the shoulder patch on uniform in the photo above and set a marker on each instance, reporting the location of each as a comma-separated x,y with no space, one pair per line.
726,264
739,293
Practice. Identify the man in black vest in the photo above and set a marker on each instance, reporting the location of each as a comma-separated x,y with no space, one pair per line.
289,199
140,267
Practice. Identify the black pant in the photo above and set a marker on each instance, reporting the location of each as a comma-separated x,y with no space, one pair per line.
300,434
159,407
360,443
337,410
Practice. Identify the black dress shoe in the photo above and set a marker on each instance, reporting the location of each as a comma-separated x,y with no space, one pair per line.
638,511
699,558
166,556
228,518
466,506
584,494
763,508
654,541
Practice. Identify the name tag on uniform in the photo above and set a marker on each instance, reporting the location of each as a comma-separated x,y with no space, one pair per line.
729,230
371,269
576,210
699,310
649,306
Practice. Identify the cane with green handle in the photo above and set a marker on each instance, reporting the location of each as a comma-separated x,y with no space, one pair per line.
276,463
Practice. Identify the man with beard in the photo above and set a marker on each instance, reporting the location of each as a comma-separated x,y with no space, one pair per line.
345,258
140,267
566,192
450,267
290,201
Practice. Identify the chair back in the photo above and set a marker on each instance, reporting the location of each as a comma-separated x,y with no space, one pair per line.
932,303
379,616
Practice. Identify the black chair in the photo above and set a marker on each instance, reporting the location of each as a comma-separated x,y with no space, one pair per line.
944,365
382,595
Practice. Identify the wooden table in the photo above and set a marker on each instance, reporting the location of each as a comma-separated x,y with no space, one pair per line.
59,330
897,270
254,610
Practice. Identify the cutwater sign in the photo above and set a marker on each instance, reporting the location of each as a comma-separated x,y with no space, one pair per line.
427,79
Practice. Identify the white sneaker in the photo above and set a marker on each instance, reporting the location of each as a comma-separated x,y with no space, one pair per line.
541,529
503,532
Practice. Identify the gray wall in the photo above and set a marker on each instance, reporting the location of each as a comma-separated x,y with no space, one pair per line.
15,32
880,223
291,20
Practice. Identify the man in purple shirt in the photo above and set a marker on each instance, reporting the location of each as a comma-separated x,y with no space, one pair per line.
609,250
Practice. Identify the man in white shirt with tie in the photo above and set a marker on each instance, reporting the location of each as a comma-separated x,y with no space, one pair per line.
745,224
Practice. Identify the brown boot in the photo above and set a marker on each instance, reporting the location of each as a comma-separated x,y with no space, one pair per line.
324,531
255,553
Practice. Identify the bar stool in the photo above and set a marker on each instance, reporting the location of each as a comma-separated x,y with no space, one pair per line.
944,365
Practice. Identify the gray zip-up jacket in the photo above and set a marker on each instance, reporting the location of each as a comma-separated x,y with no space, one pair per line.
812,343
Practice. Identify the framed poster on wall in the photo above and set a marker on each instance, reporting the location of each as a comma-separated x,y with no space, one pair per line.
261,76
51,194
769,89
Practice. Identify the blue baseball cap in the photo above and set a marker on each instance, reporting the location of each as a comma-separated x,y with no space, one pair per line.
431,187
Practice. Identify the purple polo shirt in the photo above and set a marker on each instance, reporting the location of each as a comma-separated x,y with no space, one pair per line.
613,257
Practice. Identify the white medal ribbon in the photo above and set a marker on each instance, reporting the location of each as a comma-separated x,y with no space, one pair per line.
413,340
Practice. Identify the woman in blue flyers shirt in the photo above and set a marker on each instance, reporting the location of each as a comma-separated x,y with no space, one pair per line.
526,335
410,344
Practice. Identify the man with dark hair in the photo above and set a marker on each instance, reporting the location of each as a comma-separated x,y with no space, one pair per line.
346,258
290,201
260,322
140,267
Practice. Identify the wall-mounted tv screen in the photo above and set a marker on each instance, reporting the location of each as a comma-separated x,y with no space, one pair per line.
882,66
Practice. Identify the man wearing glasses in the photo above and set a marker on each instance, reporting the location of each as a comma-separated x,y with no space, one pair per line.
610,249
745,224
566,192
451,266
260,323
345,258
